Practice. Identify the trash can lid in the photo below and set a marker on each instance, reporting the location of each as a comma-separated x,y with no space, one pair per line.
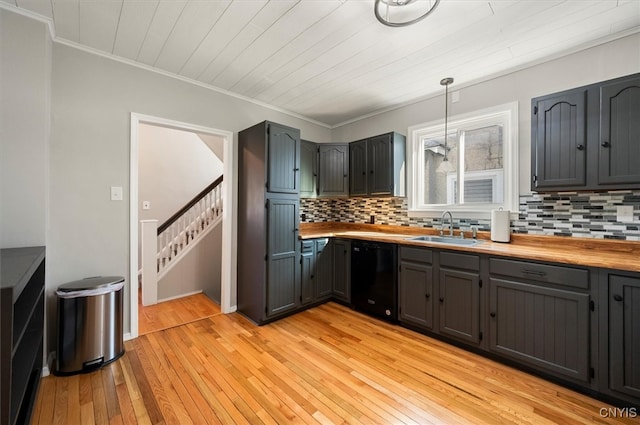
97,282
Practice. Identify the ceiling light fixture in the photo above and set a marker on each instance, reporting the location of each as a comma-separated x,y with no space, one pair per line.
445,166
400,13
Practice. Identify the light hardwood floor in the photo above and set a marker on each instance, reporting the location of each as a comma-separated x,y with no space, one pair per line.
165,315
328,364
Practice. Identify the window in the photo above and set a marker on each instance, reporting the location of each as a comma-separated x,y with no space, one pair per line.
480,173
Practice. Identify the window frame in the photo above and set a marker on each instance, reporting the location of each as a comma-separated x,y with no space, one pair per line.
505,115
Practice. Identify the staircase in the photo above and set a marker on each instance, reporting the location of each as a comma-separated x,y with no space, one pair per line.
163,246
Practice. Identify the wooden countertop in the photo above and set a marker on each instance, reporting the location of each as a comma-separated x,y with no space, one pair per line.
611,254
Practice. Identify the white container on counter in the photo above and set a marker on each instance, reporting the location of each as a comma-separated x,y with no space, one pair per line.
500,226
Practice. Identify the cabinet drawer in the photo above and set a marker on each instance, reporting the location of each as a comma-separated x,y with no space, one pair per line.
460,261
307,246
418,255
559,275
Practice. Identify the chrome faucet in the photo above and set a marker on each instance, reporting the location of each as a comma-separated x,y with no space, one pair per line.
450,222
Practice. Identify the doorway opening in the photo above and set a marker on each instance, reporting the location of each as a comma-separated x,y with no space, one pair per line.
139,122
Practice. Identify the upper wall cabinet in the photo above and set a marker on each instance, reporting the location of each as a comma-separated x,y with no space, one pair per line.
378,165
324,169
308,169
587,138
283,159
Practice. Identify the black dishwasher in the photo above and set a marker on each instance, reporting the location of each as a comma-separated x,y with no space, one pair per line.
374,279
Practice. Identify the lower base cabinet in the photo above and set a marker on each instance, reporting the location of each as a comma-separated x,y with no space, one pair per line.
541,327
623,299
416,287
342,270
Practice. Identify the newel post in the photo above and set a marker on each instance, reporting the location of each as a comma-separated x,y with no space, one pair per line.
148,258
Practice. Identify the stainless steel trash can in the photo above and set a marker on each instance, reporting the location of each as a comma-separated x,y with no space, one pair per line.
89,324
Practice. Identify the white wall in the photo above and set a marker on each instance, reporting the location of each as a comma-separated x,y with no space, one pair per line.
25,91
92,100
610,60
174,166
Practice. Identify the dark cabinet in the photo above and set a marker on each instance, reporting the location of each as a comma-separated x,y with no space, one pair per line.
416,287
459,296
333,173
283,159
587,138
21,331
377,165
559,140
623,301
307,268
619,147
268,220
342,270
324,269
358,168
308,169
539,316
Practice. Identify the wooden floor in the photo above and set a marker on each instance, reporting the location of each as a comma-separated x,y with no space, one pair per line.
176,312
325,365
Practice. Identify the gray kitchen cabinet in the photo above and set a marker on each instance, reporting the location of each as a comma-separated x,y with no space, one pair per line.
323,269
559,136
539,316
619,150
416,287
268,221
586,138
307,269
377,165
333,173
342,270
358,168
308,169
459,297
623,301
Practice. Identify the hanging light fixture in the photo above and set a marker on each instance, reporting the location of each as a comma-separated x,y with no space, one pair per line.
446,166
400,13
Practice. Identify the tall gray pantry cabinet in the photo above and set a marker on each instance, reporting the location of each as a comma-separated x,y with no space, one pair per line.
268,221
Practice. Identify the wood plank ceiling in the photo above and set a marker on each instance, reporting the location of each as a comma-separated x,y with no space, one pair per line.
331,60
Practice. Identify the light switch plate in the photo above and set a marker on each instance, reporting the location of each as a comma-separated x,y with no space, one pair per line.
625,213
116,193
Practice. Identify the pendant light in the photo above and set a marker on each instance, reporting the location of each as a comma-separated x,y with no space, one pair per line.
401,13
446,166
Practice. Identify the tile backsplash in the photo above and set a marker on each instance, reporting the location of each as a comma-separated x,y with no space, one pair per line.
588,215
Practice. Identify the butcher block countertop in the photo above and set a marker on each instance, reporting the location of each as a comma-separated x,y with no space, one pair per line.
611,254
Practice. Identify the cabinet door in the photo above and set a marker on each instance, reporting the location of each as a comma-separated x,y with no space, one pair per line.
619,160
459,297
308,169
342,270
324,269
307,264
358,168
334,170
380,162
283,159
624,334
283,284
416,296
559,140
542,327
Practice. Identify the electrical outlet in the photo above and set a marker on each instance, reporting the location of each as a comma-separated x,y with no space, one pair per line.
146,205
624,213
116,193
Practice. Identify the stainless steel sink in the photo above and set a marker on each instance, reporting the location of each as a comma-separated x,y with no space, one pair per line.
445,240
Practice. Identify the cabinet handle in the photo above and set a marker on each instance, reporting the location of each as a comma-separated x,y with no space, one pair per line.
492,314
534,273
427,296
605,144
311,276
441,300
580,147
296,229
371,171
617,297
296,169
